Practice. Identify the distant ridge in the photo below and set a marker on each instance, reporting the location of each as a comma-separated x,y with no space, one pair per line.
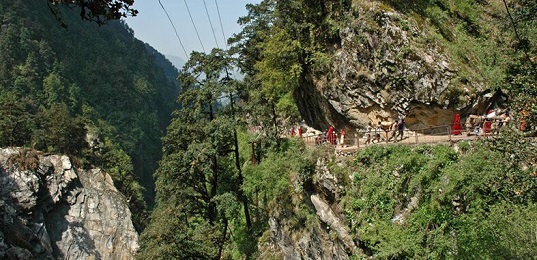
177,61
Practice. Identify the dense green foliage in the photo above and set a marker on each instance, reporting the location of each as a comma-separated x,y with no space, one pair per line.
281,44
208,187
58,85
522,79
198,216
432,202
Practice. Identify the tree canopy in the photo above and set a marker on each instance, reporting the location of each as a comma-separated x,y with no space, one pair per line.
98,11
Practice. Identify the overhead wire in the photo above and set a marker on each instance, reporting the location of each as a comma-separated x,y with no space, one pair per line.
196,29
193,24
174,29
211,24
220,19
223,35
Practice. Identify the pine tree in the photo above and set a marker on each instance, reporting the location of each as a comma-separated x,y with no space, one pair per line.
199,177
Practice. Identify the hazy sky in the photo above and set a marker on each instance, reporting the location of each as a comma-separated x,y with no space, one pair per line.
151,25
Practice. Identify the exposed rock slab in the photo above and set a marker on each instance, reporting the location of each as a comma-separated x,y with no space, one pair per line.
311,243
334,222
325,234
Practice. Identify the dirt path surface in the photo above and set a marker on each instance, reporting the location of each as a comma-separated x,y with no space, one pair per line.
411,140
353,144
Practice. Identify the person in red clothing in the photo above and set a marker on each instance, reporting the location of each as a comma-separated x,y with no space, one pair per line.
457,127
292,131
330,135
486,127
300,131
488,123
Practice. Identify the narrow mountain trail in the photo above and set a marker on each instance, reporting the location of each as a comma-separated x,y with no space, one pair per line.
355,142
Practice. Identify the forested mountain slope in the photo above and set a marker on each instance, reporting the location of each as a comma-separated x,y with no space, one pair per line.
233,185
57,84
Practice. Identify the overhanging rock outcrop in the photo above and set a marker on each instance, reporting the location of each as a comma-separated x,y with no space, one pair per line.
49,209
388,65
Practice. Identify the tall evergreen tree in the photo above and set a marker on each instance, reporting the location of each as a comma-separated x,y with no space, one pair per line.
199,177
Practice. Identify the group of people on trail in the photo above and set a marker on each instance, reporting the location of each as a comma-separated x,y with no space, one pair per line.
397,129
331,136
299,131
491,122
394,131
372,133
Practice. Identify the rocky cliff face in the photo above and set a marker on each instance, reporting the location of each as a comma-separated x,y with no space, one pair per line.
51,210
388,64
322,233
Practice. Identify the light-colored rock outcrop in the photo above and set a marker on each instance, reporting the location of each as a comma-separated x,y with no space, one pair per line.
384,68
315,242
51,210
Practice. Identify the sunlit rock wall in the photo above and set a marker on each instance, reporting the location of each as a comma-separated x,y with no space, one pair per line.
49,209
388,66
